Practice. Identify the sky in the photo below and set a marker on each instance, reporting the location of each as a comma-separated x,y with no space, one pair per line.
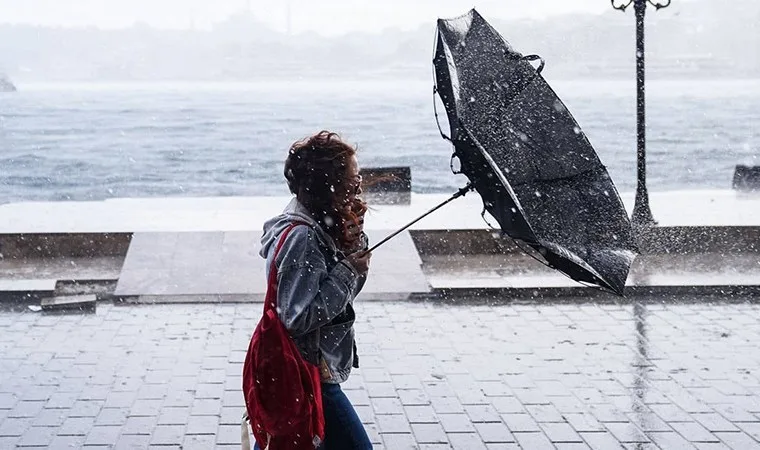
328,17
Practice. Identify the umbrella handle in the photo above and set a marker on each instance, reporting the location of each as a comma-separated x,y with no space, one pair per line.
459,193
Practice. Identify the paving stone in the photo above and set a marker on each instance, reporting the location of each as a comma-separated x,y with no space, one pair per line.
64,442
37,437
429,433
173,415
135,442
76,426
711,446
456,423
26,409
584,422
520,423
393,423
7,400
388,405
694,432
571,446
751,428
206,407
494,432
671,413
119,399
400,441
143,408
366,414
112,416
533,441
508,405
374,434
670,440
738,440
421,414
86,408
50,417
152,391
359,397
544,413
200,442
560,432
381,390
626,432
714,422
106,435
502,446
447,405
62,400
140,425
601,440
482,413
168,435
228,434
230,416
202,424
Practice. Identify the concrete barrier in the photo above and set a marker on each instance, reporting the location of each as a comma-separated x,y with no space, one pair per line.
746,178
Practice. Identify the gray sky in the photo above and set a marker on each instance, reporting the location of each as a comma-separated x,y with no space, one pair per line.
323,16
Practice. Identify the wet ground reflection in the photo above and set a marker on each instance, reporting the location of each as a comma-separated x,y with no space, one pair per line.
647,375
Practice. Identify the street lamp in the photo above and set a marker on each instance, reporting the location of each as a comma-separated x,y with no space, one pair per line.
642,214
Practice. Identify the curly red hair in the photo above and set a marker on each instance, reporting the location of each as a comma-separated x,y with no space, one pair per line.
316,170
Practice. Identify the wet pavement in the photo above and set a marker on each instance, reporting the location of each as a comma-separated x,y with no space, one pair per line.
551,376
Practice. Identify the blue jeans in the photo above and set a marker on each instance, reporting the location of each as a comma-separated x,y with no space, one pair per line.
343,428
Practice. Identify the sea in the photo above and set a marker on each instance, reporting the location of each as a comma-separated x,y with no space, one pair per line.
95,141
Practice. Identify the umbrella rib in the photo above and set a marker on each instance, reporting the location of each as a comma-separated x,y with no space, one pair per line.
567,177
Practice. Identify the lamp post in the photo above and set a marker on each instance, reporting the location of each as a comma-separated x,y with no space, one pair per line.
642,214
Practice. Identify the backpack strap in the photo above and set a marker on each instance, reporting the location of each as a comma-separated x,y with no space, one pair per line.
270,302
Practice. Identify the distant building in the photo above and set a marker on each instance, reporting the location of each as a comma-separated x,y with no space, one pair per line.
6,85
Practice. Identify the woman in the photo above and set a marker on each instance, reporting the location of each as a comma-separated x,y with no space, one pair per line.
321,268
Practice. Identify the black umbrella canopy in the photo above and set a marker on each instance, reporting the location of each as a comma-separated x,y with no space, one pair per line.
525,154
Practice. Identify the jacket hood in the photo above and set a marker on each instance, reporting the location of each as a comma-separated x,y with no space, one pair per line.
294,212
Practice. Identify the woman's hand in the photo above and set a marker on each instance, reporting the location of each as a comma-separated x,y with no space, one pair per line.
359,261
353,226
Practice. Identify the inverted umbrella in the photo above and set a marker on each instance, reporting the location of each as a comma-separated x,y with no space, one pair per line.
526,156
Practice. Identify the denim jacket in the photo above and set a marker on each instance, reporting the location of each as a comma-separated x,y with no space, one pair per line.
315,292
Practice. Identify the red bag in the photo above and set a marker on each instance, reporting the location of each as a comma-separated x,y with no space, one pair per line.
283,392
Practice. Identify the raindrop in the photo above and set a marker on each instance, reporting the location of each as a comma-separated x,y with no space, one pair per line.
514,210
538,194
472,99
576,130
606,193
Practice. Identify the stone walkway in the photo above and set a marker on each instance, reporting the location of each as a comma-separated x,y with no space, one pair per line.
558,376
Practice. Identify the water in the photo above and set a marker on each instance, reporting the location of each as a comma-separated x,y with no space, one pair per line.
83,142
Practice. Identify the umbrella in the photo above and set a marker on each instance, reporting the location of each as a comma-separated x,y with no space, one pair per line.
526,156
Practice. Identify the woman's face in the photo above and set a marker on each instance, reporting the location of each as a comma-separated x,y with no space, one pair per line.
354,181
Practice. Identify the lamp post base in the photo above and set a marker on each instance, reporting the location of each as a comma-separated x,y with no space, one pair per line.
642,214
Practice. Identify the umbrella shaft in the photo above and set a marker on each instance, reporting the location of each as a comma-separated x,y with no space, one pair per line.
459,193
